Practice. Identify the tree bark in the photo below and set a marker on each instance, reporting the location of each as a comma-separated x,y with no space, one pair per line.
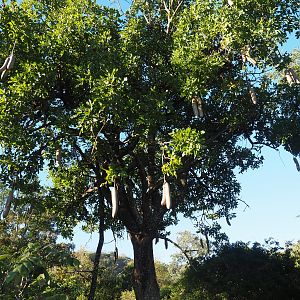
100,241
96,264
144,276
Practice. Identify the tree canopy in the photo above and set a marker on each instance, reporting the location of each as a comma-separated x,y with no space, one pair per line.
171,96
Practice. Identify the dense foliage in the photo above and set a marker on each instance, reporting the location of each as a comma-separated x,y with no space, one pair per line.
29,252
238,271
169,96
33,265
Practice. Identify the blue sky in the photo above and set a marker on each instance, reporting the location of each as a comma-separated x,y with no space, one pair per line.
272,193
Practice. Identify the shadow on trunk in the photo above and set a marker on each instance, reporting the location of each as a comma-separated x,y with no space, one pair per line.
144,276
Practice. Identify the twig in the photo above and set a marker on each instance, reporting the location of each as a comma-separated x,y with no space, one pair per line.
180,248
88,191
247,206
168,11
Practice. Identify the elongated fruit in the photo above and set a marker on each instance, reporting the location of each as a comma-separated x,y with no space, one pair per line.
4,66
166,189
200,108
253,95
195,107
58,157
166,244
201,243
4,74
11,61
163,200
227,220
114,202
296,163
116,254
207,243
8,204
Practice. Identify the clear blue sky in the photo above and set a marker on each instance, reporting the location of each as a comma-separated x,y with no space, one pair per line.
272,193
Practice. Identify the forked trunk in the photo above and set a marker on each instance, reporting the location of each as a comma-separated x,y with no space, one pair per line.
144,276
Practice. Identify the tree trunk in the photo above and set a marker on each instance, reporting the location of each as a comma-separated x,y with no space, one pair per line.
100,241
144,276
96,265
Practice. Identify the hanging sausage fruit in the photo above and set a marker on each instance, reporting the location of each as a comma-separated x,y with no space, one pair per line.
116,254
253,95
197,107
5,71
296,163
8,64
58,157
114,201
166,244
3,68
8,204
166,197
11,61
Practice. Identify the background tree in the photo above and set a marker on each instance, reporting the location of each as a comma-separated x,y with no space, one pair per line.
191,246
158,99
114,276
238,271
295,253
29,251
164,279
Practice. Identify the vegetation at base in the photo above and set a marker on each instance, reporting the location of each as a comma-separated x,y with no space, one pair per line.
34,266
240,271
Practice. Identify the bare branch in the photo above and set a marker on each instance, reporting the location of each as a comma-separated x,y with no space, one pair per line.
180,248
166,8
89,191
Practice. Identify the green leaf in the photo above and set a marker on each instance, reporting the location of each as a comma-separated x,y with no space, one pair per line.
29,265
4,256
22,269
12,276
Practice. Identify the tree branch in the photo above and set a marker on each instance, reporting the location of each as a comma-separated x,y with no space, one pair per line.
184,252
